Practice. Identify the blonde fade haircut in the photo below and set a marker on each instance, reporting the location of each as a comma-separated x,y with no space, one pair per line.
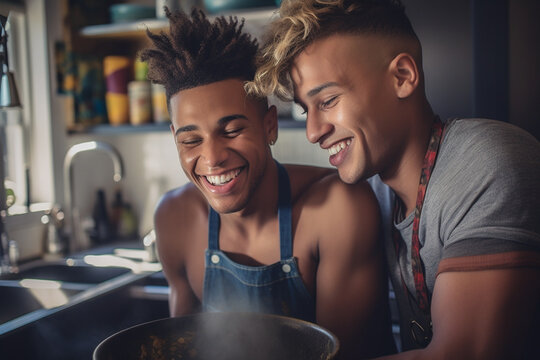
301,22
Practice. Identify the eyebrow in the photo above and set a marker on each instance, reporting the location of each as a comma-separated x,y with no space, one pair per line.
185,129
226,119
320,88
221,122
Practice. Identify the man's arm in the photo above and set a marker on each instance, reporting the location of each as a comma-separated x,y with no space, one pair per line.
168,219
478,315
487,218
351,290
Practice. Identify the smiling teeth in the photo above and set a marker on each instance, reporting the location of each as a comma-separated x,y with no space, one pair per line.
338,147
222,179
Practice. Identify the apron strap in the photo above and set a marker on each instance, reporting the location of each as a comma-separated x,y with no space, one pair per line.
213,229
284,213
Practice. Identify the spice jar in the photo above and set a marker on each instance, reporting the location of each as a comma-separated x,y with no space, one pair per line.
140,102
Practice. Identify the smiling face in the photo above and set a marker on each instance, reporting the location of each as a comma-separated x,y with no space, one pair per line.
222,140
344,84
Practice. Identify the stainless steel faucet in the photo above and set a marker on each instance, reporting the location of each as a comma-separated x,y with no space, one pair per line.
76,238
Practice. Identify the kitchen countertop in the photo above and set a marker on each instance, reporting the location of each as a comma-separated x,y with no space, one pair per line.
105,254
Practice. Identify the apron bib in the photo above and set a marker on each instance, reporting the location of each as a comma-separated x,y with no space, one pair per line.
274,289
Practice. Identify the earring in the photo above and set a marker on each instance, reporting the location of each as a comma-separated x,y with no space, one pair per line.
272,142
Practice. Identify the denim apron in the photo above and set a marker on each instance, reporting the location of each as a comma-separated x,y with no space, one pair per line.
275,289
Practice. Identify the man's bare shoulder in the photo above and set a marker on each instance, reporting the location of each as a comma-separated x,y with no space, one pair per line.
310,184
180,206
181,226
183,198
339,212
180,222
303,177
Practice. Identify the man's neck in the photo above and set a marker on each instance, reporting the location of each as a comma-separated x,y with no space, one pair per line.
404,178
260,210
251,236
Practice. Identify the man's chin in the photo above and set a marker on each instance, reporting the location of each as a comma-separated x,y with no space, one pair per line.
225,208
349,177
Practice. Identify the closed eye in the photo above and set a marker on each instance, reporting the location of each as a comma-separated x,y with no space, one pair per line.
329,103
190,142
233,132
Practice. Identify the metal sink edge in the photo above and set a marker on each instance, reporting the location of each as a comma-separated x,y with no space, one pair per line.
88,294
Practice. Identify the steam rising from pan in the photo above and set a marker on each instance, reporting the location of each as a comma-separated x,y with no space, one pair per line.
225,336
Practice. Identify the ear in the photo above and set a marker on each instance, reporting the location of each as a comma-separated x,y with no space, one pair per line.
405,75
271,125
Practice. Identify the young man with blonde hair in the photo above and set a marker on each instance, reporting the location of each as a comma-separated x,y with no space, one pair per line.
464,258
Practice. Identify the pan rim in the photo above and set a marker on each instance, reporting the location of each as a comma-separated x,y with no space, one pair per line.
198,316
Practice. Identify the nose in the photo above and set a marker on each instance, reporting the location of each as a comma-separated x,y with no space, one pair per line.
214,153
316,128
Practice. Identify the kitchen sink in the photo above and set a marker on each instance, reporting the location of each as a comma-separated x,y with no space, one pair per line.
74,332
17,300
65,272
42,285
46,285
62,309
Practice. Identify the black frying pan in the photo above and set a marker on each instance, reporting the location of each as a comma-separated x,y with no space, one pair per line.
224,336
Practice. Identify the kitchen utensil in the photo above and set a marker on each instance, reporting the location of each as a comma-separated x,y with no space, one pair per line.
224,336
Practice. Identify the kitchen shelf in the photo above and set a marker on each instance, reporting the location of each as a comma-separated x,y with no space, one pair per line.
255,21
123,30
105,129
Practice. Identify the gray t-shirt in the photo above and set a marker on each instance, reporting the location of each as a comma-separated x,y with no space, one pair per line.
483,197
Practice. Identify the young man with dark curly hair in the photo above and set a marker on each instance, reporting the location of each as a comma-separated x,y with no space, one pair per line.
465,256
250,234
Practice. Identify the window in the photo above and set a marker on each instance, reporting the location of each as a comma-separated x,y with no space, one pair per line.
14,121
25,133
